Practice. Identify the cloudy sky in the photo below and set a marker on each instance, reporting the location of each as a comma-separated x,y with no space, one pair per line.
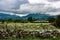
25,7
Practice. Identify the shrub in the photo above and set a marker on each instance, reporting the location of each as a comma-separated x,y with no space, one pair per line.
57,21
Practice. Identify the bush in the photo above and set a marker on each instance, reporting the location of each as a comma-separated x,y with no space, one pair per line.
51,19
57,21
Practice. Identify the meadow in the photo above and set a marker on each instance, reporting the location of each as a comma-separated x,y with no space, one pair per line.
30,27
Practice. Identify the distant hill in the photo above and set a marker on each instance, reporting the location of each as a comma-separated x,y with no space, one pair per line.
6,16
38,16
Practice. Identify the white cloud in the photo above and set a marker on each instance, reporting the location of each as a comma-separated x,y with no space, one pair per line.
14,14
7,13
38,1
53,13
21,15
38,8
42,6
55,4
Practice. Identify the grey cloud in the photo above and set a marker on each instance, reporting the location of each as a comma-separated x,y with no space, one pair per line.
54,10
8,4
23,1
53,0
11,4
15,11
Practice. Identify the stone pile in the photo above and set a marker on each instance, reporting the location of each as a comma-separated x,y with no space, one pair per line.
24,34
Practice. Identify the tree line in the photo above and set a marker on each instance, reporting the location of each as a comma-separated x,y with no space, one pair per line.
20,20
53,21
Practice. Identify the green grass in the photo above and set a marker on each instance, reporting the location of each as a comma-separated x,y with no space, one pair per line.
31,26
31,38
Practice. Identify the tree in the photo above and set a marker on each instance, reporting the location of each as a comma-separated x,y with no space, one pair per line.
9,20
30,19
51,19
57,21
17,20
3,21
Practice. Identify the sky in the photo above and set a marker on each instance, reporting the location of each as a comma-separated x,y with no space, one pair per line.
25,7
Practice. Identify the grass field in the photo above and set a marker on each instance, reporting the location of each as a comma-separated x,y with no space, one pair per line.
30,27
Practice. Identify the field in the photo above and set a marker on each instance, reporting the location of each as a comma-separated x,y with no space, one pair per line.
31,26
40,27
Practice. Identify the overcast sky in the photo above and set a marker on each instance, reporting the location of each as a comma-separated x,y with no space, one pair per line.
25,7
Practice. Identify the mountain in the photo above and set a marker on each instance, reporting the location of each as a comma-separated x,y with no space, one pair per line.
6,16
38,16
